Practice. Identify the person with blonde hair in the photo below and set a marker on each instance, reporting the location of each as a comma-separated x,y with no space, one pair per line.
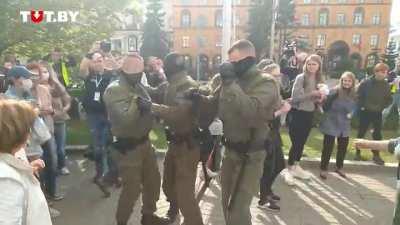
305,97
22,200
338,107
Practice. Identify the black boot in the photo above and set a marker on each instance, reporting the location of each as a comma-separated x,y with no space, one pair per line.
151,219
377,158
357,157
172,211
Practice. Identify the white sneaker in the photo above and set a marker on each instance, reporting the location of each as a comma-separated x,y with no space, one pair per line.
298,172
65,171
54,212
288,178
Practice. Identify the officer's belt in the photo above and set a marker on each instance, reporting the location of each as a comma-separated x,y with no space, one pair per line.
179,138
125,145
239,147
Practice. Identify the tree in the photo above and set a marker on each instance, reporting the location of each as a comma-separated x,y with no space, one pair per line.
154,38
260,19
390,55
96,21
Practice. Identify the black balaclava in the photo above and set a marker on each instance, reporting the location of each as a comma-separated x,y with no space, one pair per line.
173,64
242,66
132,79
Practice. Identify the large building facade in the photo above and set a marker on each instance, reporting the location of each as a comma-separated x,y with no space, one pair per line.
197,31
344,29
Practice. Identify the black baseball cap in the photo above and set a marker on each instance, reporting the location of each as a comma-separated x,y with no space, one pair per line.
19,71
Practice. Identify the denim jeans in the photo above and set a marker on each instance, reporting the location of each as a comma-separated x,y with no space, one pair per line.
60,136
49,174
99,130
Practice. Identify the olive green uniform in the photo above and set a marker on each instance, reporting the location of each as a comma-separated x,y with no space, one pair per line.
245,106
182,157
138,165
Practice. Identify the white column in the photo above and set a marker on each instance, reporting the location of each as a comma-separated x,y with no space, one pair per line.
226,28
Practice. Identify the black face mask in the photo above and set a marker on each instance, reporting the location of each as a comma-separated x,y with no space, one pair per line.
242,66
171,70
132,78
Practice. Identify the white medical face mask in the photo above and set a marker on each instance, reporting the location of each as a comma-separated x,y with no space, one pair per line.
27,84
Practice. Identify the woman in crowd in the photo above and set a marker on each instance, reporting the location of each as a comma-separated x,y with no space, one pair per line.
392,146
44,103
305,97
22,200
274,162
336,123
61,103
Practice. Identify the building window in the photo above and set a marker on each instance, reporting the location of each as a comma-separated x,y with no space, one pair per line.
201,41
218,18
185,18
374,41
324,1
307,1
237,2
218,41
219,2
376,19
185,42
359,1
356,39
358,16
323,17
321,39
305,20
185,2
341,1
203,2
340,19
201,21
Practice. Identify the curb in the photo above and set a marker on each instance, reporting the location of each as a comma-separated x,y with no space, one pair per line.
306,161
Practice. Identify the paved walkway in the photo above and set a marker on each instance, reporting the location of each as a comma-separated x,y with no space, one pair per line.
365,198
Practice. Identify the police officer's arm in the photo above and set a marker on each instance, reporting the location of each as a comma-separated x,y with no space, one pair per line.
179,111
257,107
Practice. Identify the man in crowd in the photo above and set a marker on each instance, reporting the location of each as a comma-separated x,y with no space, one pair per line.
394,81
9,62
155,72
246,95
131,124
373,96
61,65
95,85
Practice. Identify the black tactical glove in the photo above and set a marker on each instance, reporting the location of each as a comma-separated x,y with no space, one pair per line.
144,105
227,72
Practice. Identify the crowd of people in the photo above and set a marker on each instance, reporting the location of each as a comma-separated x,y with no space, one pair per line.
124,97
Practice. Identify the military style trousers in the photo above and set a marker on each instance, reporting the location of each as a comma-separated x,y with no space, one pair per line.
239,214
180,170
139,172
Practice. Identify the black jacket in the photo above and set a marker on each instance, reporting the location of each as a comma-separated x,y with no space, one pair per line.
95,83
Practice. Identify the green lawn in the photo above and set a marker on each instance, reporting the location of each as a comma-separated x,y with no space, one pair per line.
78,134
